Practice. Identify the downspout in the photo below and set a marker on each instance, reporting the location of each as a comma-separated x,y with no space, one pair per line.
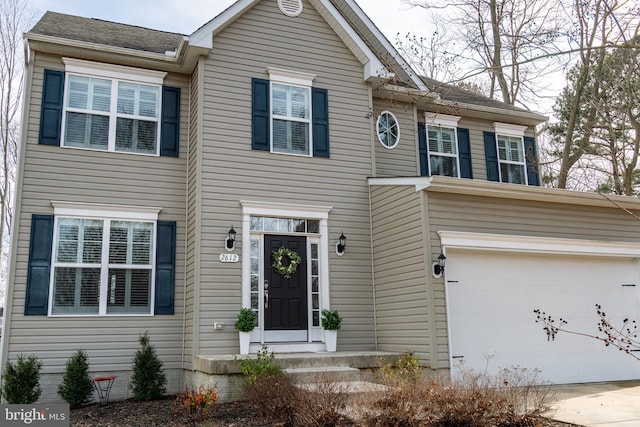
372,132
186,234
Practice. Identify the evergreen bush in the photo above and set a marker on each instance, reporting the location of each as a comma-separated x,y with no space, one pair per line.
76,387
21,381
148,380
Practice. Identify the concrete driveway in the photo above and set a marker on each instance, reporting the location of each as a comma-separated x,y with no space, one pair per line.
611,404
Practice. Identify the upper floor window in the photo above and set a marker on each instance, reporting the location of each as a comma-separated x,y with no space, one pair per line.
442,144
511,159
289,115
388,129
511,156
111,108
290,112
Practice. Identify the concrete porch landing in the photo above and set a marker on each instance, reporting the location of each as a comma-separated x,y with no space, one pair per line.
356,370
364,360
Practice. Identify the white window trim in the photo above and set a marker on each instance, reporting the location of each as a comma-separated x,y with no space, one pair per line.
100,211
442,121
320,213
523,163
105,213
395,144
288,77
509,129
291,78
115,73
110,71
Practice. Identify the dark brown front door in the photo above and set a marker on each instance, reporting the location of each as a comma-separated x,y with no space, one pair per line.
286,304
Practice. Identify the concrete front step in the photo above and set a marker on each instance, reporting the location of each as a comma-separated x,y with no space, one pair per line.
324,374
345,387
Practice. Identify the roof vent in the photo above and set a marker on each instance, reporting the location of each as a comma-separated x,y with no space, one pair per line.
290,7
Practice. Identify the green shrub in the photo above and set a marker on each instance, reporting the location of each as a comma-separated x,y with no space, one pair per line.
331,320
21,381
263,364
148,379
246,320
76,387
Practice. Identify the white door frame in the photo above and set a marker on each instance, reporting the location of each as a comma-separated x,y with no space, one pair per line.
277,210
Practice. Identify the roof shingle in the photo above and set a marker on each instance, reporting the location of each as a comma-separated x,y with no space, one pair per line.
107,33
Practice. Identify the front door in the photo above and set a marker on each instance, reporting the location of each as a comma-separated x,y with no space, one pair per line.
285,302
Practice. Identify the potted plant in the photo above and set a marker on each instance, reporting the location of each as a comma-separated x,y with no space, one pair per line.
245,324
331,321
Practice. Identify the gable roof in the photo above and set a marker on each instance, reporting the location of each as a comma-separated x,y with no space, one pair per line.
98,31
379,58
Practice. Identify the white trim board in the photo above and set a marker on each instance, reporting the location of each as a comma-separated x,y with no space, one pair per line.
533,244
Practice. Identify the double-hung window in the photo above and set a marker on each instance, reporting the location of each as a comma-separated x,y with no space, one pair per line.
111,108
291,112
511,157
442,145
289,115
103,262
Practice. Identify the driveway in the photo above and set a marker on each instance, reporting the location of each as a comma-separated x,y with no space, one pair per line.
610,404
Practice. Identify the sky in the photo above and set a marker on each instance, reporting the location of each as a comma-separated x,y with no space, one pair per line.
392,17
186,16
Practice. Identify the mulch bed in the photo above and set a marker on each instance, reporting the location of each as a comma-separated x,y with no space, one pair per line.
129,413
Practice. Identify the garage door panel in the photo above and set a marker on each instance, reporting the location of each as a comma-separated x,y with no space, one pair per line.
491,298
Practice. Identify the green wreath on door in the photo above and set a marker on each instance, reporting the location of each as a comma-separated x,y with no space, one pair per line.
278,265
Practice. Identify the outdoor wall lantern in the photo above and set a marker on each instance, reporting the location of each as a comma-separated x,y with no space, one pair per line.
229,242
342,243
438,266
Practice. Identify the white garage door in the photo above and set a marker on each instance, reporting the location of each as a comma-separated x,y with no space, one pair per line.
492,295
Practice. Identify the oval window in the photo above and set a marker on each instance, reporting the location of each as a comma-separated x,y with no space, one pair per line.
388,129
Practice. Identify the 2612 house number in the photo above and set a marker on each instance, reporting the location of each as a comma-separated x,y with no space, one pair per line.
229,258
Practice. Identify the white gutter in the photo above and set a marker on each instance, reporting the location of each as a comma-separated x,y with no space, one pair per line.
482,188
169,56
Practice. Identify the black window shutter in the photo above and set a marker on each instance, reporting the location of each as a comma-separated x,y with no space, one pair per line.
422,148
165,267
170,126
51,109
39,268
320,112
260,115
464,153
533,171
491,154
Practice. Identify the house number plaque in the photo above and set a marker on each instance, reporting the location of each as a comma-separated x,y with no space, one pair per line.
229,258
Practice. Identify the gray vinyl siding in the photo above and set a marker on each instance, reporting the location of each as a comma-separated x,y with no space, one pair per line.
517,217
402,160
402,304
410,304
63,174
231,171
